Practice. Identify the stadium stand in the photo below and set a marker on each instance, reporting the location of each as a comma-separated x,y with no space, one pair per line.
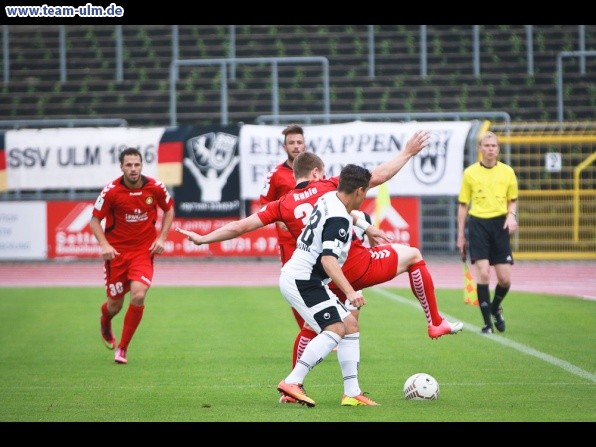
138,91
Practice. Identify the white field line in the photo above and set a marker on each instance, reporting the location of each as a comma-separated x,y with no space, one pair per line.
566,366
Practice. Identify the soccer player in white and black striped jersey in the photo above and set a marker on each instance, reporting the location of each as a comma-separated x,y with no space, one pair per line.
321,250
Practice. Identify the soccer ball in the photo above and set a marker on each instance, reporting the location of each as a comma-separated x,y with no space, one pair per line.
421,386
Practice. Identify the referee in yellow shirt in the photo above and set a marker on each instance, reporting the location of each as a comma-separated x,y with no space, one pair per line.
489,196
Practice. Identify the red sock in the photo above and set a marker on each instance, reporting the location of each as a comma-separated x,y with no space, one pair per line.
298,318
421,283
302,339
131,322
106,318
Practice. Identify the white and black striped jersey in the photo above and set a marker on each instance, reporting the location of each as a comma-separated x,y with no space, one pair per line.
328,232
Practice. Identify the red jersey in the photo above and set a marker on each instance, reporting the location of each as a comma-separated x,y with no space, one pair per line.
279,181
364,267
294,208
131,213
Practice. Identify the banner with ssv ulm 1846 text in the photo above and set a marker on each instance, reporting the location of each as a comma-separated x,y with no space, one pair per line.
82,157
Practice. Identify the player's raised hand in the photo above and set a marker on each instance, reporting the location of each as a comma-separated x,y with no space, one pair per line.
418,141
195,238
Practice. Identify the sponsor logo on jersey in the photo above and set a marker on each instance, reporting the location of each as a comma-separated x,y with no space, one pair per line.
138,216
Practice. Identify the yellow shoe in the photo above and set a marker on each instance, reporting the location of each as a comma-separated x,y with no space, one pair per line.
356,401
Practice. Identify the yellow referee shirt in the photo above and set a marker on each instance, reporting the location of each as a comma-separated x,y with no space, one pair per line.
488,190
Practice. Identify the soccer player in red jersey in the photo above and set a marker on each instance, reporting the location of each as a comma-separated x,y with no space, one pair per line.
129,243
279,181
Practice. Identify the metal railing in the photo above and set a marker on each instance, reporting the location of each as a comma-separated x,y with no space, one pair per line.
560,56
423,36
223,63
66,122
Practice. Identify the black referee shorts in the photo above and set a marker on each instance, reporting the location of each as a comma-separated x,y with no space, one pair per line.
487,239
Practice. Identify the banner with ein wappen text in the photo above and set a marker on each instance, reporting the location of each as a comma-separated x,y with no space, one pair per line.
436,170
82,157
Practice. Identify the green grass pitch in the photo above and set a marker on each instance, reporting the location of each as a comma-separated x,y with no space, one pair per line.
216,354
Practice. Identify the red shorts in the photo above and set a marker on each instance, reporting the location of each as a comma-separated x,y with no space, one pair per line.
367,267
127,267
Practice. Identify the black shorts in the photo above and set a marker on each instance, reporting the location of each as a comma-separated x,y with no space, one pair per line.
489,240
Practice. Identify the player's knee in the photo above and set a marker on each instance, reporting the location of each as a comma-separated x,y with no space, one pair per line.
338,329
415,254
408,254
351,324
137,300
115,305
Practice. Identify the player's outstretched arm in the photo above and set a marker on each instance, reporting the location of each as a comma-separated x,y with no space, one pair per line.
229,231
388,169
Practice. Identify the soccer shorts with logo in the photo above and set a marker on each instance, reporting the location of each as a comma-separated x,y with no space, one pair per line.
127,267
313,301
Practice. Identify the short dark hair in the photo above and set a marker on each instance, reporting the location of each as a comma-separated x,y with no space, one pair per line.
305,162
129,151
292,129
353,177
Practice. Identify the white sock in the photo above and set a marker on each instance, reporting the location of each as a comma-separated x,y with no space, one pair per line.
318,348
348,355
